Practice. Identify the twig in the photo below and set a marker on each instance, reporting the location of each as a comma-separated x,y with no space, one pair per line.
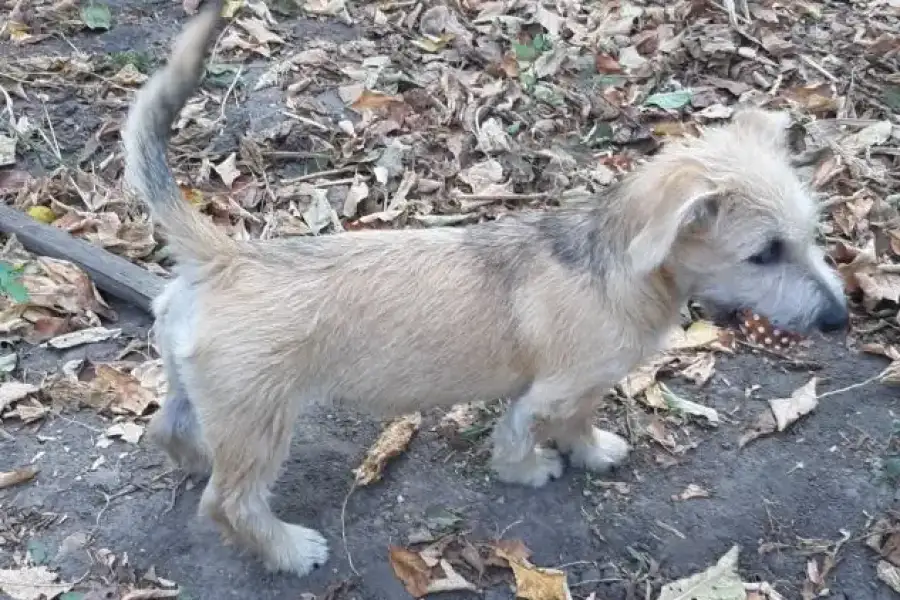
590,581
311,122
806,364
317,174
502,197
507,528
74,422
345,181
228,92
151,594
670,529
175,493
293,154
811,63
55,143
855,386
344,529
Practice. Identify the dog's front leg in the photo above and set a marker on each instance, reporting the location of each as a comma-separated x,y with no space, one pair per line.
588,447
516,457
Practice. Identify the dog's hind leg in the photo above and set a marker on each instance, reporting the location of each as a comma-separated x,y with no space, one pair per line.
249,438
175,426
516,457
176,429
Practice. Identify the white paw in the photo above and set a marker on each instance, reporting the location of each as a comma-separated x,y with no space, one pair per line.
306,550
600,452
542,465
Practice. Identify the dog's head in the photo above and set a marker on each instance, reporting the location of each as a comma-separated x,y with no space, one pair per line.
728,215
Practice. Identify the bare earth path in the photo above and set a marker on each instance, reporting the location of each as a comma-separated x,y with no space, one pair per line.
426,115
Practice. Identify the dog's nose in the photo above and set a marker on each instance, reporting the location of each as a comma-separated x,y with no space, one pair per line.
835,317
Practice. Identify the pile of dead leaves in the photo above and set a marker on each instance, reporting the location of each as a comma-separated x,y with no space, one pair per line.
456,564
884,539
44,299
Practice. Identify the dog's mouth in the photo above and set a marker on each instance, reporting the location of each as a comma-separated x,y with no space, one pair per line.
759,330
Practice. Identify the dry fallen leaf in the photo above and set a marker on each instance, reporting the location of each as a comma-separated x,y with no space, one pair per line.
7,151
258,30
392,441
643,377
151,375
326,7
700,369
32,583
129,432
536,583
889,574
719,582
91,335
675,402
783,412
691,492
409,568
700,334
460,417
29,413
227,170
421,578
501,550
884,538
131,396
788,410
11,478
451,581
13,391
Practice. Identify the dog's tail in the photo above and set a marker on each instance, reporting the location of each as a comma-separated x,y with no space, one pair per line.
146,136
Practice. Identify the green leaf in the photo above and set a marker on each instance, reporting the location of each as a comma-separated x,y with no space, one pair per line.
38,552
541,43
548,95
600,134
10,285
890,470
892,97
605,81
525,52
670,100
222,75
441,519
96,16
527,79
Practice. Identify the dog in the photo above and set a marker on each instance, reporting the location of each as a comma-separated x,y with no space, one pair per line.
549,308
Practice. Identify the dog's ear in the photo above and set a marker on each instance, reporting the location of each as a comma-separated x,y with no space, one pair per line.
767,125
681,199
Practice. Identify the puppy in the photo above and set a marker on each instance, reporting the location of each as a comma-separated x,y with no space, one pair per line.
549,308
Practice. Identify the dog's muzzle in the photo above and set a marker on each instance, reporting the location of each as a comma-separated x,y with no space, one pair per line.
834,317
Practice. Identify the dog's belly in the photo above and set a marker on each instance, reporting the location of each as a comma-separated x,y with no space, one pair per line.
406,387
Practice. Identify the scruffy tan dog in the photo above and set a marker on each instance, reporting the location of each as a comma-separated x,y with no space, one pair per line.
550,308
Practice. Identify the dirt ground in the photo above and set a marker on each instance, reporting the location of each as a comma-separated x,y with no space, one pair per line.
111,516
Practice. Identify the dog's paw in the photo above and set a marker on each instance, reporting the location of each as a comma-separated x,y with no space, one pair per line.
599,452
305,550
542,465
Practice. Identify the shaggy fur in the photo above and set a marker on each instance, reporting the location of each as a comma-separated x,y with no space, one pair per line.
549,308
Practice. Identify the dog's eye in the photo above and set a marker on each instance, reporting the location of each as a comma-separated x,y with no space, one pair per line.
772,253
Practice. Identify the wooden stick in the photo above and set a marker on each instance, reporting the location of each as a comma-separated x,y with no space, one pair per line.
112,274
